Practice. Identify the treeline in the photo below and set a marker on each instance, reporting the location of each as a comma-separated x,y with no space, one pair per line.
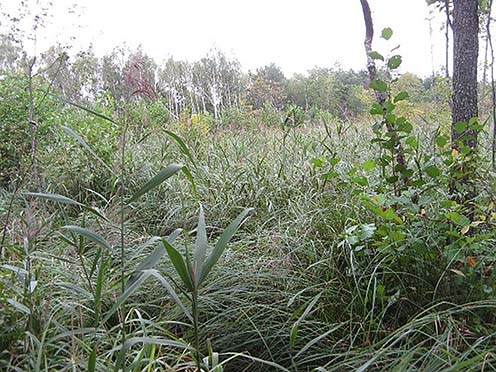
214,85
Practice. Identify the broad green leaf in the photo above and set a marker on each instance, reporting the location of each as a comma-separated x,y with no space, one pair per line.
360,180
412,142
318,162
387,33
154,257
376,109
83,143
179,264
222,243
330,175
92,360
405,127
460,127
147,341
20,307
457,218
182,146
378,85
135,286
442,140
64,200
92,112
172,293
369,164
94,237
200,247
401,96
55,198
389,214
17,270
164,174
394,62
376,55
432,171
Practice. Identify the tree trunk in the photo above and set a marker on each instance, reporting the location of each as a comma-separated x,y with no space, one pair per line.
381,97
446,35
466,51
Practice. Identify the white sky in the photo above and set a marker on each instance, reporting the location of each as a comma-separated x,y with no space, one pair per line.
295,34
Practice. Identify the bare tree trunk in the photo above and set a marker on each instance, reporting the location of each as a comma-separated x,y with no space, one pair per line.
484,68
433,74
466,51
380,96
493,87
446,35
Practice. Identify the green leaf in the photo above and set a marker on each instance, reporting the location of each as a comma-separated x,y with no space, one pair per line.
405,127
317,339
387,33
94,237
330,175
18,306
442,140
378,85
457,218
191,180
221,244
412,142
92,360
318,162
164,174
178,263
55,198
200,247
432,171
376,109
135,286
293,334
92,112
172,293
99,287
394,62
376,55
460,127
154,257
64,200
182,146
389,214
401,96
360,180
369,164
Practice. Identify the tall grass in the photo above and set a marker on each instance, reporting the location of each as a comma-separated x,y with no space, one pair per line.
288,293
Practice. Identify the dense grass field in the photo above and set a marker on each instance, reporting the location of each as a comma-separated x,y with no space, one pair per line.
317,277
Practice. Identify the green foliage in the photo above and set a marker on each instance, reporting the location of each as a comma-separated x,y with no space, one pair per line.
352,260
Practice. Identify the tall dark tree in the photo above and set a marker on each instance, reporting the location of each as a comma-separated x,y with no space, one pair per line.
464,108
466,52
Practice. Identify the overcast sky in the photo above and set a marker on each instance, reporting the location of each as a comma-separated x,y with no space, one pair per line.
295,34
